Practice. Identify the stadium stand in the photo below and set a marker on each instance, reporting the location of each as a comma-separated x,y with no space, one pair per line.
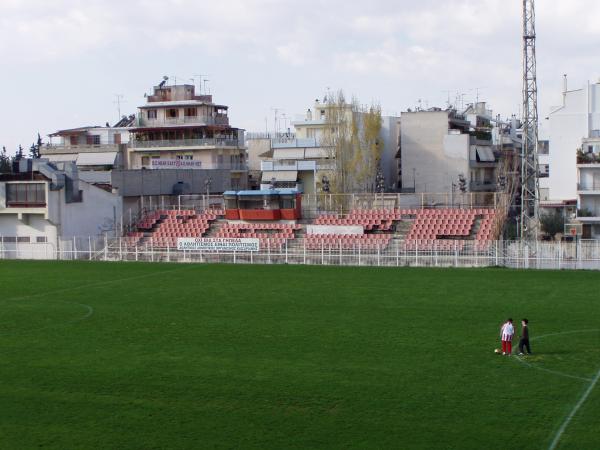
440,229
347,242
163,227
370,219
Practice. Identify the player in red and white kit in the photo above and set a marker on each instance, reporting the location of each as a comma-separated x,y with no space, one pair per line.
506,334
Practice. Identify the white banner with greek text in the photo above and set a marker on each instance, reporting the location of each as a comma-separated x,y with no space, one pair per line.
219,244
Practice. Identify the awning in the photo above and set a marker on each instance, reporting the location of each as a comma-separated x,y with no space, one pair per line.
70,157
279,175
485,154
288,153
97,159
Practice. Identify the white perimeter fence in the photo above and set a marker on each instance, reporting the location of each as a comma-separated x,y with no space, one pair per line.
584,254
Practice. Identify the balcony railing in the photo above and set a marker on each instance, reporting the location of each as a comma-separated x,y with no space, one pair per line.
50,149
588,187
295,143
286,164
215,142
182,120
30,204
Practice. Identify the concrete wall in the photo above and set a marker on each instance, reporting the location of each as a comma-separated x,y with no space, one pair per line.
257,147
95,215
133,183
437,157
566,127
390,132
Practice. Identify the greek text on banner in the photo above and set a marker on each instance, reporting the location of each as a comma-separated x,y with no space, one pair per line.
219,244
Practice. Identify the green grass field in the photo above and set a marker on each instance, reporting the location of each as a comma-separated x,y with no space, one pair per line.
153,356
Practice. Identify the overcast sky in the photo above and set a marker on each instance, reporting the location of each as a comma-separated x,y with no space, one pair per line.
63,61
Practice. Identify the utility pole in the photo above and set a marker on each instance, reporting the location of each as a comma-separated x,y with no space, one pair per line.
529,155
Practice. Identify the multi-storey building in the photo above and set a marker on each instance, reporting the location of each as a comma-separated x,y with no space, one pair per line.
95,150
438,148
178,129
570,157
305,159
46,207
576,120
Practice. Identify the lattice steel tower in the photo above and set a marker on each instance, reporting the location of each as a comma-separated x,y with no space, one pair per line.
529,155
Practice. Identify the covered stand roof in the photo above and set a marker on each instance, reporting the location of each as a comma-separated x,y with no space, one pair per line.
262,192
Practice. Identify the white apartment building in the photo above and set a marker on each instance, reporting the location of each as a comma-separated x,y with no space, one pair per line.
46,207
438,147
569,127
304,160
572,161
95,150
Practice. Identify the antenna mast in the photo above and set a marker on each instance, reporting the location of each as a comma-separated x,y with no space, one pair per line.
529,154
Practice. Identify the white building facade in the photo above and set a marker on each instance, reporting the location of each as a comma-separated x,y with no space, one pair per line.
44,208
304,159
569,127
438,148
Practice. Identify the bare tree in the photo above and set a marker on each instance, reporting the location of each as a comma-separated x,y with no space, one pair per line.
352,136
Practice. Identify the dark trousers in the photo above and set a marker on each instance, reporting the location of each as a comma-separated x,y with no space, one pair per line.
524,343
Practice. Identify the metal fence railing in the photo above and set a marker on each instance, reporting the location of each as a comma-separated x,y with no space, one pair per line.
398,253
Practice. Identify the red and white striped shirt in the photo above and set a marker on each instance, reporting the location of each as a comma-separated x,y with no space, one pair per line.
507,331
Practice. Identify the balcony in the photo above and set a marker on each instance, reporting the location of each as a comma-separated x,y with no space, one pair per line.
185,120
286,164
53,149
588,188
295,143
178,143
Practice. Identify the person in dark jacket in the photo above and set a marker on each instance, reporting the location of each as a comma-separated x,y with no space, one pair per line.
524,341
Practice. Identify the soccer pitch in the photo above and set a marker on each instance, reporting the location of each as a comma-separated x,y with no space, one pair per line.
158,356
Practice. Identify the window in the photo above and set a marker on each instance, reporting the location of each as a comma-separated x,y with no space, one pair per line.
9,239
23,239
543,147
172,113
41,239
93,139
544,170
191,112
152,114
26,194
